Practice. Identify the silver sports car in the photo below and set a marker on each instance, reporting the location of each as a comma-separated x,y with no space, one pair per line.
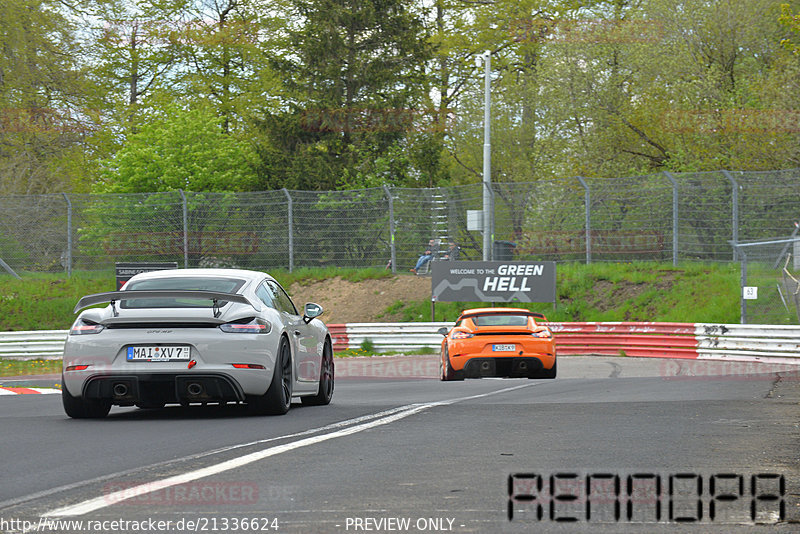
196,336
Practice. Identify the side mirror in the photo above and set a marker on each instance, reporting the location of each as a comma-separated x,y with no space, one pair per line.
311,311
443,330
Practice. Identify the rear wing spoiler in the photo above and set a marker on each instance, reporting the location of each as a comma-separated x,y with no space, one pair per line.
111,297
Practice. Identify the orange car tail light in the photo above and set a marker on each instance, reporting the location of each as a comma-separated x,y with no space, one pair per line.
542,333
462,335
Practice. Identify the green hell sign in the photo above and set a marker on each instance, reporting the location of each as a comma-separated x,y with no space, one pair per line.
494,281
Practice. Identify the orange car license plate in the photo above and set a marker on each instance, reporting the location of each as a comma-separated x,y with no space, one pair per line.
503,348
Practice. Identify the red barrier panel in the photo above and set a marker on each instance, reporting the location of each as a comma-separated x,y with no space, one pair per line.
632,327
617,350
640,339
339,336
563,339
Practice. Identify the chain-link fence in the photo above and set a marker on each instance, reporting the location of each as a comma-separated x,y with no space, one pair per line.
665,217
770,281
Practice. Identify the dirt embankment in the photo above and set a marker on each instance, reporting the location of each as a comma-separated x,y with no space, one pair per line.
361,302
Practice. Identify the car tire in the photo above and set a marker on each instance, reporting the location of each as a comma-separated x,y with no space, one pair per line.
326,380
79,408
278,398
446,371
549,373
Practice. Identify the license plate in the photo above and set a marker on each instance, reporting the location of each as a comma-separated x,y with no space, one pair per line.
503,348
153,353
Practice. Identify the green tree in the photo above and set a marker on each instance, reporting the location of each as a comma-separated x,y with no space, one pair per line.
134,51
353,74
46,101
180,147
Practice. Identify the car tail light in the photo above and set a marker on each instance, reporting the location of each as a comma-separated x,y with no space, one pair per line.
77,368
543,333
81,328
462,335
248,366
247,326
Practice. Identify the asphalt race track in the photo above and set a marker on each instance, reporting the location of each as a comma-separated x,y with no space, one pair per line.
612,445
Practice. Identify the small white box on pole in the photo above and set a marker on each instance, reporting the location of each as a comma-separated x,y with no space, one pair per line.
750,292
474,220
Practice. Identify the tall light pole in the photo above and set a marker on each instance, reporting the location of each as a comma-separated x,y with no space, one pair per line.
488,208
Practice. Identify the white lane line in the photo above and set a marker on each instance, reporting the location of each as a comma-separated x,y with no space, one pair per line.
110,499
197,456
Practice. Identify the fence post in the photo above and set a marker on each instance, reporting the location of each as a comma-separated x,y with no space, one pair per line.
743,259
391,228
734,210
185,230
8,268
291,228
68,266
587,200
674,217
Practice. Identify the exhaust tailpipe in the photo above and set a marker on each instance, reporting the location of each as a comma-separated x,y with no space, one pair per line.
523,365
485,366
120,390
194,389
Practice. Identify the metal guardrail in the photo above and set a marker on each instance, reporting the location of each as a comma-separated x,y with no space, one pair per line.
732,342
30,345
767,343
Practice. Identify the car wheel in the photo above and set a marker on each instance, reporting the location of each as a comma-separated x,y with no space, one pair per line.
325,392
79,408
278,398
446,371
549,373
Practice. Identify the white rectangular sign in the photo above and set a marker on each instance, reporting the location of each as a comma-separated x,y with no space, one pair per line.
750,293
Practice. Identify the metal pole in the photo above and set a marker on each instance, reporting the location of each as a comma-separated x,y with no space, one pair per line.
786,246
291,228
185,230
8,268
393,257
743,259
69,235
587,200
674,218
734,209
488,209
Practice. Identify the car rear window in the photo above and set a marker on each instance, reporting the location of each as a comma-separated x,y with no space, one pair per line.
224,285
500,320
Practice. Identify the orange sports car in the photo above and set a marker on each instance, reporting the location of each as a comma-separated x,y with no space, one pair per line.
501,342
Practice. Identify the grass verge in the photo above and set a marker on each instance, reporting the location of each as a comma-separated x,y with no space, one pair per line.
11,367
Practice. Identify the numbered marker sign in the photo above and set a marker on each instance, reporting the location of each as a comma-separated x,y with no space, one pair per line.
750,292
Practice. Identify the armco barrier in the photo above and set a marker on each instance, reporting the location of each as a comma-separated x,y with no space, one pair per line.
731,342
45,344
767,343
